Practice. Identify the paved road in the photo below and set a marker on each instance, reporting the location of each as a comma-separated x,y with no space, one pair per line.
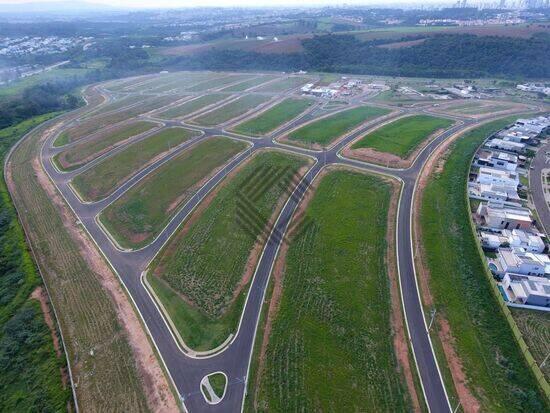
187,371
539,163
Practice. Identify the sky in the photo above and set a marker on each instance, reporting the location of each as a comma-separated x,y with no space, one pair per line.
231,3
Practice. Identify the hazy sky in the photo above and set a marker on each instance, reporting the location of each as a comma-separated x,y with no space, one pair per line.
227,3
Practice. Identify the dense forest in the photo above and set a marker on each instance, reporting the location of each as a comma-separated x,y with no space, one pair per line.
444,56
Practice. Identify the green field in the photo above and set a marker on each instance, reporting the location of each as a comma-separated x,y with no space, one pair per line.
496,371
206,263
247,84
216,83
98,182
330,347
535,329
230,110
274,117
191,106
30,377
326,130
139,215
117,104
283,84
86,151
403,136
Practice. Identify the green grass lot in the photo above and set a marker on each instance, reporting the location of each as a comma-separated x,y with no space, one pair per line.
85,151
206,264
326,130
191,106
139,215
535,328
496,372
216,82
180,81
247,84
119,104
108,379
403,136
30,377
218,382
100,181
484,109
272,118
330,347
284,84
230,110
93,124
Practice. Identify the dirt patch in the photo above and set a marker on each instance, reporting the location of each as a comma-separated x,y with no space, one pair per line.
157,390
468,402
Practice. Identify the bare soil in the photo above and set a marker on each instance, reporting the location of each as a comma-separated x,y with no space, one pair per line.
157,390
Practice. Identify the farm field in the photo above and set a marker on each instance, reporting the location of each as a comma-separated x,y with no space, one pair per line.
100,181
208,261
247,84
326,130
535,328
87,150
215,83
137,217
401,137
497,374
283,84
93,124
108,378
274,117
230,110
191,106
335,303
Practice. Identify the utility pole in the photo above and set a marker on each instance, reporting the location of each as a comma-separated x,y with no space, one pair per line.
432,314
544,361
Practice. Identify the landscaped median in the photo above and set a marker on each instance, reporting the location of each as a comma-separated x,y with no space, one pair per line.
273,117
328,341
202,275
471,333
100,181
139,215
90,149
397,142
324,131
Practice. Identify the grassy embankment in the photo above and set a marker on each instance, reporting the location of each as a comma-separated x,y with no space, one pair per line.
274,117
85,151
97,345
330,347
247,84
101,180
326,130
191,106
30,375
93,124
404,135
137,217
206,264
230,110
283,84
496,371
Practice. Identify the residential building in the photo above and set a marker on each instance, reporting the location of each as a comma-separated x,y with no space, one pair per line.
497,216
513,238
496,159
519,261
504,145
507,195
524,289
494,176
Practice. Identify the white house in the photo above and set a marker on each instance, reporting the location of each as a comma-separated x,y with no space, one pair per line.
524,289
497,216
519,261
506,145
508,195
515,238
493,176
496,159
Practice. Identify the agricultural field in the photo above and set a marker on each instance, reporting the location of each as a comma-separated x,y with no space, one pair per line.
284,84
535,329
335,303
247,84
97,345
191,106
208,261
274,117
98,182
401,137
326,130
138,216
93,124
89,149
497,374
230,110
